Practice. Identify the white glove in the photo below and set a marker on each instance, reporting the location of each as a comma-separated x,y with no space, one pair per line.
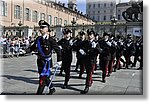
71,42
115,43
58,64
60,47
82,52
128,45
108,43
93,44
121,43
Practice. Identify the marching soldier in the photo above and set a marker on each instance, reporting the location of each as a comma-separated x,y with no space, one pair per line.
129,50
113,54
105,55
141,54
44,45
80,58
119,52
137,50
89,50
66,47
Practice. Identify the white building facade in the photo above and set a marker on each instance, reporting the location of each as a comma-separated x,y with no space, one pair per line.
101,10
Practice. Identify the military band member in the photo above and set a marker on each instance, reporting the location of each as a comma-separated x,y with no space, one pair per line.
44,45
89,50
137,50
129,50
105,55
113,54
80,58
119,52
66,48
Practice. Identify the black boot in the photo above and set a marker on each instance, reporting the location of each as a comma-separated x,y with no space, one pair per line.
103,80
65,85
51,91
85,90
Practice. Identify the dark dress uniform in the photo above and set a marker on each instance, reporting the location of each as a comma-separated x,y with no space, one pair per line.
44,49
119,52
129,50
141,55
66,57
89,59
79,44
137,51
105,56
113,49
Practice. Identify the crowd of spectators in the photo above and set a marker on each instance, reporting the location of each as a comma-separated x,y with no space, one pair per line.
14,46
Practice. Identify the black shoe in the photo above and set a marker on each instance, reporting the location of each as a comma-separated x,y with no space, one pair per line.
133,65
104,81
75,70
80,77
65,86
85,90
60,74
108,75
51,91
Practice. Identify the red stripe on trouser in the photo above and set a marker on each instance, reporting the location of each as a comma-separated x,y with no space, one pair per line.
42,79
90,81
93,67
118,62
111,66
105,70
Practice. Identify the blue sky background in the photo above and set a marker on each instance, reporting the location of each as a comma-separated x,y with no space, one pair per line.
81,4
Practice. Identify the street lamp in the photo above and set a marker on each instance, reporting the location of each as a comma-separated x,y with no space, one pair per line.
73,29
114,21
20,24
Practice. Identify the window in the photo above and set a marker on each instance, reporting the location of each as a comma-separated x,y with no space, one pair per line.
99,5
89,6
27,14
60,21
104,4
93,12
98,18
93,17
50,20
119,17
65,22
111,17
111,4
42,16
89,12
35,16
104,11
55,21
98,11
93,5
3,8
17,12
104,18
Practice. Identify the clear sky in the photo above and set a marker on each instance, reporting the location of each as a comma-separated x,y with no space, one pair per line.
81,4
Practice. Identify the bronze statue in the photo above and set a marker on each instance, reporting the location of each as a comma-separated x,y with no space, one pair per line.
131,14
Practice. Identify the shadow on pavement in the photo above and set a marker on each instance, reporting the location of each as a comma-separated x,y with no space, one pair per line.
20,78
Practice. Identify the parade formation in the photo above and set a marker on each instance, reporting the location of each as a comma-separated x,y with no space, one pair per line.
90,48
92,52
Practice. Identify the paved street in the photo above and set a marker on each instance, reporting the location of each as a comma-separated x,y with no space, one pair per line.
20,77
